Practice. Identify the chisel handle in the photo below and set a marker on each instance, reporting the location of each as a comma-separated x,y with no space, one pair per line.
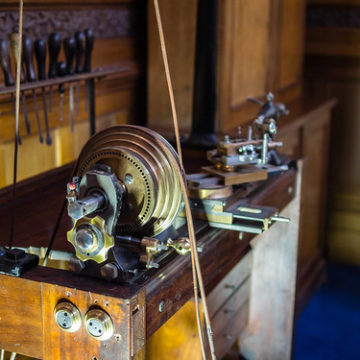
28,58
40,55
80,50
61,71
89,44
5,63
69,49
54,45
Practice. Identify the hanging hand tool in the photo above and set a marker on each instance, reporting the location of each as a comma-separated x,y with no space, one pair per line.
40,54
14,43
6,68
89,44
80,49
54,44
30,72
61,71
70,48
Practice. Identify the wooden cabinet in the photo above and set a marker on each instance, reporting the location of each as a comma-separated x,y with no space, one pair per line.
259,49
306,135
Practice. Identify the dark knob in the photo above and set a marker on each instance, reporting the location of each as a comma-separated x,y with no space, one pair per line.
28,58
79,38
61,71
89,44
54,44
69,48
40,54
5,63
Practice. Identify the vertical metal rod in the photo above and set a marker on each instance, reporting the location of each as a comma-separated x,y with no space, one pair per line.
71,106
41,138
77,100
264,150
91,92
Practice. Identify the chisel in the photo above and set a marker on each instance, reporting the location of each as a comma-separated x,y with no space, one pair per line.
6,68
30,73
69,49
89,44
54,44
40,55
14,44
61,71
80,49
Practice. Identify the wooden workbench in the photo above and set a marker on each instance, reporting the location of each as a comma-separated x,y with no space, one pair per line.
27,303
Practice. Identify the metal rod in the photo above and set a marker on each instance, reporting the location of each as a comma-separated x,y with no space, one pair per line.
91,89
41,138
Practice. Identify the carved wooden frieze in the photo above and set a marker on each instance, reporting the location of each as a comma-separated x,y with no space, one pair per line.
333,16
38,24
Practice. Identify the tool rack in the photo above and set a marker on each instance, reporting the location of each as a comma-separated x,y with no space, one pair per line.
89,77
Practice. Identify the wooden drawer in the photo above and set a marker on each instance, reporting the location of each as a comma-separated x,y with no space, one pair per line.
231,319
229,285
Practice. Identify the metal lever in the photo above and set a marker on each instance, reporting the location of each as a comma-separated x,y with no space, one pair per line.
89,45
70,48
80,50
54,44
40,54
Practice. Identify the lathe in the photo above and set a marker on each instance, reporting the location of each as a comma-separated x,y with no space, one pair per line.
128,228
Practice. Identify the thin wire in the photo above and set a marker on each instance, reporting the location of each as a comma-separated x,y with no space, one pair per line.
168,79
17,111
18,68
194,254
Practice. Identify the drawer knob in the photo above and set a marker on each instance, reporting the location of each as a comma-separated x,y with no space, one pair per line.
99,324
231,287
228,311
67,316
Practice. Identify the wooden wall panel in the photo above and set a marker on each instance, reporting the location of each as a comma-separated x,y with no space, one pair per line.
179,23
249,45
243,48
291,43
259,49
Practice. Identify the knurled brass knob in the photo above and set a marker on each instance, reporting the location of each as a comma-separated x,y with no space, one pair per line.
67,316
98,324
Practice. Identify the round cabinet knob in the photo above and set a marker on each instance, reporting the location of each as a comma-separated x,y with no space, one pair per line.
99,324
67,316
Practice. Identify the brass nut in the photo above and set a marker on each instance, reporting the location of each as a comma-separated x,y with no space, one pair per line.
98,324
67,316
102,241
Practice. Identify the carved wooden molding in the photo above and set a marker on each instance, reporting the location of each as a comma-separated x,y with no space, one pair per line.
333,16
38,24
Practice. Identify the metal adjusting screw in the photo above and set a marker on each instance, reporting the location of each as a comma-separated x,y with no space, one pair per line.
67,316
98,324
